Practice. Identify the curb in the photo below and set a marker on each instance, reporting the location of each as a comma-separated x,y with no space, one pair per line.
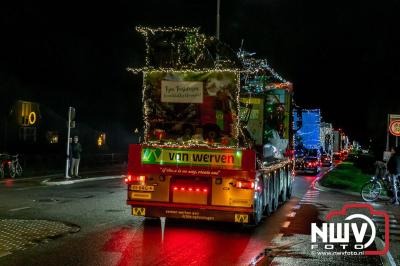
47,182
320,187
386,259
326,189
4,180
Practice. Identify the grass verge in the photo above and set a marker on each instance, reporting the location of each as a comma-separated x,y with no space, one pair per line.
345,176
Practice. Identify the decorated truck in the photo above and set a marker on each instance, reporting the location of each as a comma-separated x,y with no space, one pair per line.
217,132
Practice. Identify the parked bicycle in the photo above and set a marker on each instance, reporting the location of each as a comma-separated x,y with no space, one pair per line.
380,182
11,164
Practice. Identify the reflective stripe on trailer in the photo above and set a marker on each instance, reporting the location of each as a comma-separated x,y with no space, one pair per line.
193,214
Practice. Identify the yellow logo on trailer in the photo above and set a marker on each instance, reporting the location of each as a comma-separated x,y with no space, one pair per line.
139,211
241,218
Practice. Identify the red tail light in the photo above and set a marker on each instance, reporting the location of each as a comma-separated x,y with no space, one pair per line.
190,189
131,178
244,184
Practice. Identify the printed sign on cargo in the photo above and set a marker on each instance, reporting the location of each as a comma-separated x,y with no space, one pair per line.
181,91
225,159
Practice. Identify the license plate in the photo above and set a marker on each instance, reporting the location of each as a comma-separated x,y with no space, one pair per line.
142,188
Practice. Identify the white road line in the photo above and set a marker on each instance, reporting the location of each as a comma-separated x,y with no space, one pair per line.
307,202
379,218
383,221
278,238
18,209
309,199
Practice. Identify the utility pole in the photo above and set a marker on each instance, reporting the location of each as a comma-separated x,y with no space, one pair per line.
71,117
387,133
218,25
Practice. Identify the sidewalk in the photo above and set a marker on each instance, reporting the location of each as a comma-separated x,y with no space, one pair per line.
60,175
60,180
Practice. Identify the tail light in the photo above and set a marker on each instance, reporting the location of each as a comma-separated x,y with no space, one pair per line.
244,184
189,189
313,164
131,178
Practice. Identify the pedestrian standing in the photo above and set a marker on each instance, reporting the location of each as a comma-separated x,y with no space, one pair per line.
76,149
393,166
70,158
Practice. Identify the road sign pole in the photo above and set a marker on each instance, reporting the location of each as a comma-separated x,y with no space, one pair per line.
68,137
387,135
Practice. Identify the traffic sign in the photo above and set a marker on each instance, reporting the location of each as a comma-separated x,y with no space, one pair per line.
394,128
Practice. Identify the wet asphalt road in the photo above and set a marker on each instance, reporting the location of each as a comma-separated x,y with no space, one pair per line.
109,235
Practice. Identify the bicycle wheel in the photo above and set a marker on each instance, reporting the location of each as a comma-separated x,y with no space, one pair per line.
18,169
370,191
12,171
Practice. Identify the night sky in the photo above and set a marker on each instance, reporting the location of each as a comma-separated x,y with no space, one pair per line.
342,56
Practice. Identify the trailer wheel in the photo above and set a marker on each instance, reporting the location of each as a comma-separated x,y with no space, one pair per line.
283,195
258,215
268,210
289,191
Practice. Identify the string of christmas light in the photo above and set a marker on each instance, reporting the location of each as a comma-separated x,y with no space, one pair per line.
194,41
255,65
146,30
254,70
272,167
183,70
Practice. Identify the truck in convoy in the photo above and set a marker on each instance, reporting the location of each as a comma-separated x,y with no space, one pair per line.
326,137
217,133
307,140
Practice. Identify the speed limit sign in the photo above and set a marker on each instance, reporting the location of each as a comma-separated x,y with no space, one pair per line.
394,128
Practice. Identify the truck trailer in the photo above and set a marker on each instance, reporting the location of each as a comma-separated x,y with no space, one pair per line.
217,140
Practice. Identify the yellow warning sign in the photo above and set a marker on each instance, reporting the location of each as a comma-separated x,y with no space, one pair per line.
241,218
139,211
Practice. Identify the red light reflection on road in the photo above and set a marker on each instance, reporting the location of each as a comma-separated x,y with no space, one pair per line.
203,244
9,182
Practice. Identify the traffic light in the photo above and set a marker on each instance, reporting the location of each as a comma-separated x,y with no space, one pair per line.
72,113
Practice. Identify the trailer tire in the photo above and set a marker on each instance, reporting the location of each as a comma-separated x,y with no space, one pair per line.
258,215
268,210
289,191
283,195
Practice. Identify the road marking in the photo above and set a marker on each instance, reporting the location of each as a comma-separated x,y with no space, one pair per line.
298,206
291,215
103,224
383,221
394,232
278,237
286,224
18,209
380,218
307,202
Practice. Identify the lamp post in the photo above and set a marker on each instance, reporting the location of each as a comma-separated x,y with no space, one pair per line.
71,117
218,18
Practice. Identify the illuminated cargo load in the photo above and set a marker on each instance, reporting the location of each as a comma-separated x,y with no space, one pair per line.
217,141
